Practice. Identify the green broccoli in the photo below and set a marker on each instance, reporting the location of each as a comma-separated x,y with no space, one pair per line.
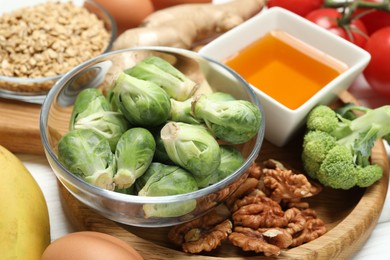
337,145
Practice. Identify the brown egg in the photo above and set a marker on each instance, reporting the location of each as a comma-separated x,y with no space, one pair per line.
127,13
85,245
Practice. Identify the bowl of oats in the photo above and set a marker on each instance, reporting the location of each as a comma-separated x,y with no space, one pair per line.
42,40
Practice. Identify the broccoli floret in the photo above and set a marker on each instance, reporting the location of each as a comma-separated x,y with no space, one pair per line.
366,176
322,118
337,169
337,145
316,144
311,166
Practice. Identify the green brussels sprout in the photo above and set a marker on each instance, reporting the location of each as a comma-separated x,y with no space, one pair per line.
134,153
231,160
181,111
220,96
160,155
234,121
193,148
130,190
153,168
91,110
159,71
88,155
110,98
143,103
165,180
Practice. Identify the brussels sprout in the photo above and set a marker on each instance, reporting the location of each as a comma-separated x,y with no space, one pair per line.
160,155
165,180
231,160
88,101
87,154
159,71
143,103
193,148
110,98
220,96
234,121
91,110
130,190
153,168
181,111
134,153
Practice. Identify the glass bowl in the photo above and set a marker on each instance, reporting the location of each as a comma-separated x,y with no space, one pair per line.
99,72
34,90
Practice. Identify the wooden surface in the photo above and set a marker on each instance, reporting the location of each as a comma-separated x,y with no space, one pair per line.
19,127
350,217
375,248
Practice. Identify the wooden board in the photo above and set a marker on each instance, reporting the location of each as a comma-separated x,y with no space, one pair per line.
350,216
19,127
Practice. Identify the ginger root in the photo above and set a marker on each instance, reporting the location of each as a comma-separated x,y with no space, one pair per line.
188,25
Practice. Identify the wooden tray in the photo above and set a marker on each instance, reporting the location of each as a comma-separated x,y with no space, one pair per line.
350,216
19,127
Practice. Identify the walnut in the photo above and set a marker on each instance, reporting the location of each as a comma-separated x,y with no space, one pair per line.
245,188
298,204
204,233
207,202
282,184
207,240
269,241
296,221
274,164
313,228
277,236
258,211
266,211
255,171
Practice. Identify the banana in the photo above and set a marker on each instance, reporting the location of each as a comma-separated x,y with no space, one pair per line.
24,216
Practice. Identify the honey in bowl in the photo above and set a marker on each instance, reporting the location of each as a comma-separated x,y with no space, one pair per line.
285,68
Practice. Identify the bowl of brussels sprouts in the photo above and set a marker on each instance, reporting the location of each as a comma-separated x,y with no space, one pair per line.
151,136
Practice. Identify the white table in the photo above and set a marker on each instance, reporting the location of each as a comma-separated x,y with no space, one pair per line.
376,247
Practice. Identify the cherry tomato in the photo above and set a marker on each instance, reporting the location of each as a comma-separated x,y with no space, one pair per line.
331,19
377,72
300,7
375,19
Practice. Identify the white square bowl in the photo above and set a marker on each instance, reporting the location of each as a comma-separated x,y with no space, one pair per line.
282,122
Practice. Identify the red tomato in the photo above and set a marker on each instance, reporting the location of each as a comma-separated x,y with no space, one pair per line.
330,19
377,73
375,19
300,7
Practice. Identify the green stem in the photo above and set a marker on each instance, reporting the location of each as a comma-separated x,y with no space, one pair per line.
384,5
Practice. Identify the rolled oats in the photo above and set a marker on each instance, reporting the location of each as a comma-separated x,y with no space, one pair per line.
47,40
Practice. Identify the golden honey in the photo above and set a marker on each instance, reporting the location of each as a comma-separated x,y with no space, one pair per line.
285,68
